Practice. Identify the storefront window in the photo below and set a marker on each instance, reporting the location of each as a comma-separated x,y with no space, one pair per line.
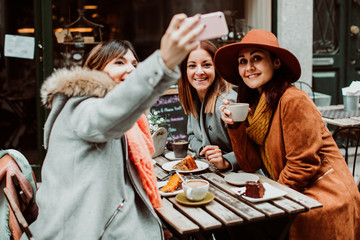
17,78
326,26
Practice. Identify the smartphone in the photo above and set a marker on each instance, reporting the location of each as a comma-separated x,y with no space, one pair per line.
215,26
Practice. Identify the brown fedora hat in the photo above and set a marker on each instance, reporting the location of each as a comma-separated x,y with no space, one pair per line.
226,58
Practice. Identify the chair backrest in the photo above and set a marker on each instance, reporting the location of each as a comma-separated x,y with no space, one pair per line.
306,88
348,137
19,187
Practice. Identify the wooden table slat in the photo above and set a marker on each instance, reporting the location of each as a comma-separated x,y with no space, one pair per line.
160,160
160,173
223,214
198,215
289,206
298,197
176,219
237,206
268,209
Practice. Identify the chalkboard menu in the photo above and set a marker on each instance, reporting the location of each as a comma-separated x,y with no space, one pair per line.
169,107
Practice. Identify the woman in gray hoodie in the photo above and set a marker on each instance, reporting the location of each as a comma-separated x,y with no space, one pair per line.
97,177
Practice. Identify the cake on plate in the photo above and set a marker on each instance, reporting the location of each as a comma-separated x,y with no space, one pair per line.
187,164
254,189
173,184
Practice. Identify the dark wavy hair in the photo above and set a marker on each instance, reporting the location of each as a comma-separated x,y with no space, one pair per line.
273,89
104,52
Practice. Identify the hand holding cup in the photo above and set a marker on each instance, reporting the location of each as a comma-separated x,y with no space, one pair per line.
234,112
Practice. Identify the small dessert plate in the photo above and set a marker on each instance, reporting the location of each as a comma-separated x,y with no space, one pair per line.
181,198
270,193
240,179
201,166
171,155
167,194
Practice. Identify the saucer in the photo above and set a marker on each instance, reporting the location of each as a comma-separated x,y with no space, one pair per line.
183,200
240,178
171,155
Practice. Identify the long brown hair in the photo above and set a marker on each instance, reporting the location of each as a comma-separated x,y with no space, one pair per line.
104,52
188,94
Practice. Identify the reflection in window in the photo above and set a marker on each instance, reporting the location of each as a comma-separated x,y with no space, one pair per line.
326,26
358,35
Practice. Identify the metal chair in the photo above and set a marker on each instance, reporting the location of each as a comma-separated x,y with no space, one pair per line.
306,88
346,137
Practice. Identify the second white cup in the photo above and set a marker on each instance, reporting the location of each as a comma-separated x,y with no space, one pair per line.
195,189
239,111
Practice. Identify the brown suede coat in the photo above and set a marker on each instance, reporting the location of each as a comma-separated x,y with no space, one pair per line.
305,157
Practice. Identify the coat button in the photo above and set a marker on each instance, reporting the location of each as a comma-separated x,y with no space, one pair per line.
151,81
210,128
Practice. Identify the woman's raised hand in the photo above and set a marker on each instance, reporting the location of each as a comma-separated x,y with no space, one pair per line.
225,113
178,39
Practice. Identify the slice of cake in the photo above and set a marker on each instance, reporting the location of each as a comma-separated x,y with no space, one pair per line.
187,164
254,189
173,184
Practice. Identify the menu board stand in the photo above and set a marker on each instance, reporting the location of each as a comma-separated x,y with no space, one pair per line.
168,106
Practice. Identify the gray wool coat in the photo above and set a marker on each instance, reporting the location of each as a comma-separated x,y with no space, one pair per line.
209,129
89,187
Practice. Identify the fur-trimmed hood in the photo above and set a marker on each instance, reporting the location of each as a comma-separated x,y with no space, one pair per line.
76,81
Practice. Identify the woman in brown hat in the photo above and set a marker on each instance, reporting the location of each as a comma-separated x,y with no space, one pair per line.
285,136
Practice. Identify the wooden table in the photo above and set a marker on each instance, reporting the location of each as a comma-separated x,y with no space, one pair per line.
229,213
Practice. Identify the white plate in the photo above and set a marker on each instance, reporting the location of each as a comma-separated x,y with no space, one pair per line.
270,193
167,194
201,166
240,178
171,155
153,162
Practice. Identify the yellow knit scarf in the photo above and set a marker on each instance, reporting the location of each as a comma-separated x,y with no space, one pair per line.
259,122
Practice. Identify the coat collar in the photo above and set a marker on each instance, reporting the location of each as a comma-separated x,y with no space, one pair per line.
76,81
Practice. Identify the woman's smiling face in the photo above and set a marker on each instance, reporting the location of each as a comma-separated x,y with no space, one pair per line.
119,68
256,67
200,71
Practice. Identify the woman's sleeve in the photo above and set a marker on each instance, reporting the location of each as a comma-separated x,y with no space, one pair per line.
102,119
302,135
194,143
245,150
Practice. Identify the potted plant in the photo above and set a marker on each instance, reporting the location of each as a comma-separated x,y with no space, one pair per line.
157,125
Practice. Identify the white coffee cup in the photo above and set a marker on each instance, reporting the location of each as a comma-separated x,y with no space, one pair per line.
195,189
239,111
